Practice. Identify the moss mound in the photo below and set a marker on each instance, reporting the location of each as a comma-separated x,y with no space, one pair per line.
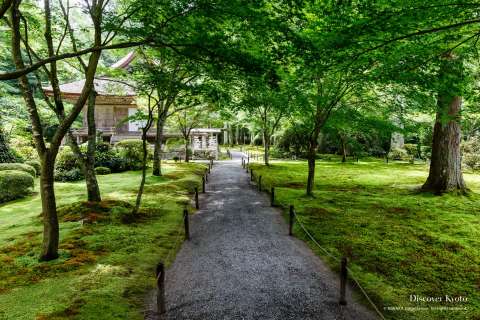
92,212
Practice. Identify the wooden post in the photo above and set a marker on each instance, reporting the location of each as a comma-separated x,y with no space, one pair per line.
187,224
197,205
203,184
248,159
290,225
260,183
161,309
272,197
206,176
208,168
343,280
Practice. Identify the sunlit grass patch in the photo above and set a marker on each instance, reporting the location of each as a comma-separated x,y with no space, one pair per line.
106,264
399,241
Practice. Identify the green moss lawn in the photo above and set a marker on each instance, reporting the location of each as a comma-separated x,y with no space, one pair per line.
107,257
400,242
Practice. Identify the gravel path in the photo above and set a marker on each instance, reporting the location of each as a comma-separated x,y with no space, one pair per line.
241,263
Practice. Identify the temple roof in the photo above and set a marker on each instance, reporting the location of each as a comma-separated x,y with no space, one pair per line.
124,62
103,87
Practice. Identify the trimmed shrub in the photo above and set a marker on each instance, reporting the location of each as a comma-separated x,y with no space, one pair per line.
36,164
106,157
132,152
23,148
471,153
66,160
102,170
6,153
398,154
19,167
72,175
15,184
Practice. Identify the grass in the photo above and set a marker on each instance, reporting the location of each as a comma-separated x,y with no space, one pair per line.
107,258
399,242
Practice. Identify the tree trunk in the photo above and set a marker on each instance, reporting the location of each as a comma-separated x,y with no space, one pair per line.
144,172
49,210
266,139
157,153
311,167
344,149
93,190
445,167
187,156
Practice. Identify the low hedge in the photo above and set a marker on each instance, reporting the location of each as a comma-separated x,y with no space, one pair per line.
36,164
102,171
19,167
69,175
15,184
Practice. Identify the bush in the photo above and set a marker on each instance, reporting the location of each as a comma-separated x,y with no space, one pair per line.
106,157
471,153
72,175
23,148
132,152
425,152
102,171
398,154
36,164
66,160
412,149
6,154
15,184
174,144
19,167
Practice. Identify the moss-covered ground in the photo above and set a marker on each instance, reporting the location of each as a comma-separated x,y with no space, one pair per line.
107,257
399,242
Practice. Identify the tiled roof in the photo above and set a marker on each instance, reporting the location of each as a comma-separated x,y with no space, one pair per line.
103,87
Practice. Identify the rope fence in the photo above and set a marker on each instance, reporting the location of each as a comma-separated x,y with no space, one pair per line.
338,260
295,217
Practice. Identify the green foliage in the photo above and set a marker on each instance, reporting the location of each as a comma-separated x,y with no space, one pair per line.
15,184
175,144
411,149
471,153
294,140
6,154
36,164
132,151
71,175
398,154
105,156
23,147
398,242
105,264
19,167
102,170
66,160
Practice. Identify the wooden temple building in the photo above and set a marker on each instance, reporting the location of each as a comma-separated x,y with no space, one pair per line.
115,102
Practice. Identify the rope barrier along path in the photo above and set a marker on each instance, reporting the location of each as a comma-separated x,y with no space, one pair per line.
338,260
175,244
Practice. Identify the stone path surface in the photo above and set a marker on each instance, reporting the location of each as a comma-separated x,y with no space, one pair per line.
241,263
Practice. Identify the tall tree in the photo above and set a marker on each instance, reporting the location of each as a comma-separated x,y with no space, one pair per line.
48,153
445,173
